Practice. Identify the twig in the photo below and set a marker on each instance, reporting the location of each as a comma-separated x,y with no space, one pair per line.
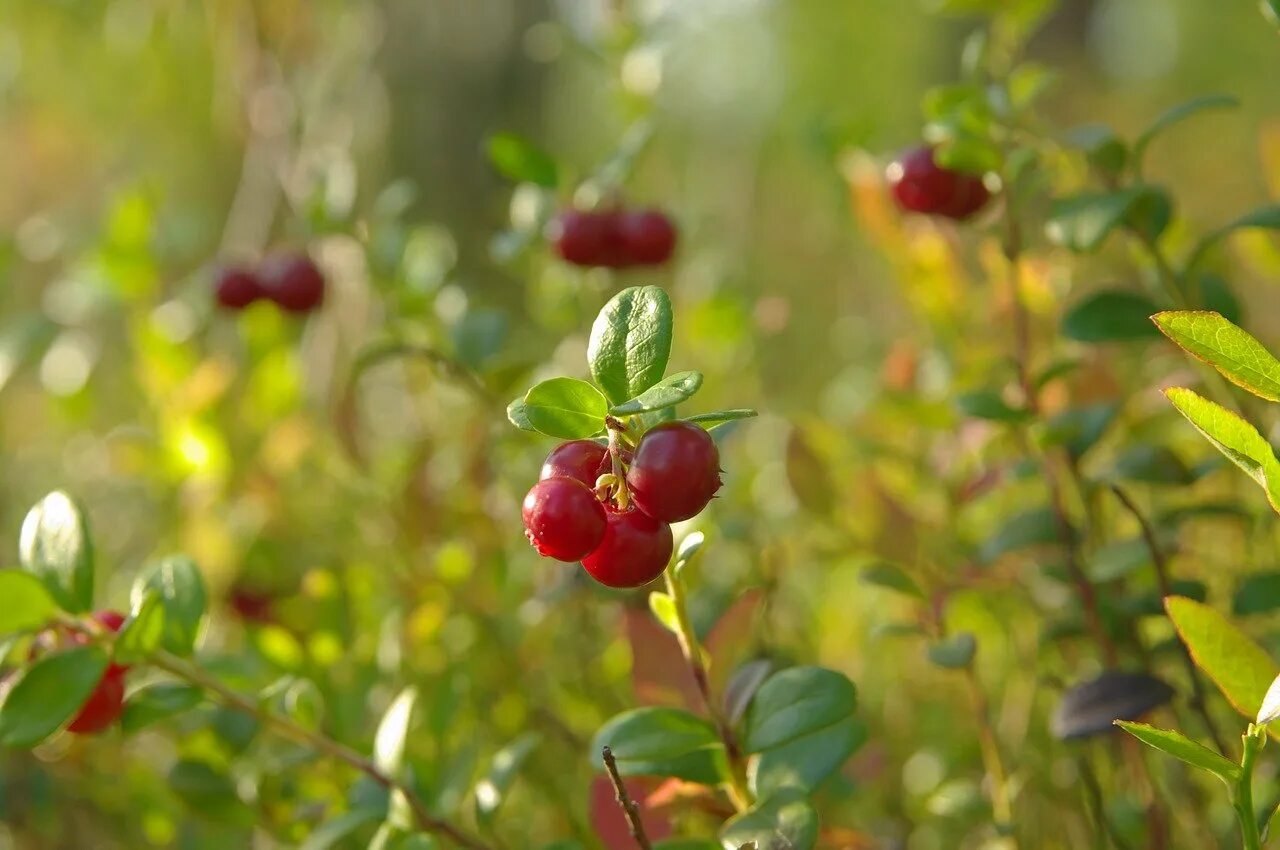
1001,803
318,742
629,807
1165,586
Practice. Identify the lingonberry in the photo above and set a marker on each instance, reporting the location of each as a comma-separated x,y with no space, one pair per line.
634,551
251,604
920,185
104,705
294,282
236,287
108,619
675,471
582,460
648,237
563,519
582,237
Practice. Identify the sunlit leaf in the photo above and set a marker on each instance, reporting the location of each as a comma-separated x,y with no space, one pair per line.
662,742
668,392
631,342
1181,747
1240,668
54,546
1238,356
1239,441
566,408
785,819
517,159
27,605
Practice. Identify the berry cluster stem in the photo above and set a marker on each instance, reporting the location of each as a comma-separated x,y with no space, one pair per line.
285,727
615,456
736,787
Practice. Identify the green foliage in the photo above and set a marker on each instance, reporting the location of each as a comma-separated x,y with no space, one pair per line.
1183,748
565,408
631,342
1237,665
178,584
27,604
1239,357
517,159
785,818
1111,315
663,742
55,547
48,694
1239,441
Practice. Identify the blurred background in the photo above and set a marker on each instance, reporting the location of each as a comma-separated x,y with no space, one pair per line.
358,520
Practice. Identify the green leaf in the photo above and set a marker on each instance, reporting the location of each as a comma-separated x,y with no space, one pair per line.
1240,668
955,651
631,342
331,832
1257,594
518,416
1181,747
203,787
807,761
666,393
1234,437
796,702
720,417
1080,428
48,694
664,608
54,546
1081,223
1118,559
566,408
491,791
1112,315
662,742
154,703
180,586
1181,112
892,576
1105,150
1263,218
142,633
784,820
988,404
1240,358
517,159
27,606
389,741
1152,465
1036,527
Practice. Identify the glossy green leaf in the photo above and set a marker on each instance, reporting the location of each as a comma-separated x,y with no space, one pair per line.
1181,747
955,651
720,417
1238,356
1081,223
142,633
517,159
492,790
393,731
797,702
1239,441
1105,150
48,694
1257,594
54,546
27,604
807,761
987,404
180,586
566,408
518,416
668,392
154,703
1263,218
662,742
631,342
1240,668
785,819
1179,113
1112,315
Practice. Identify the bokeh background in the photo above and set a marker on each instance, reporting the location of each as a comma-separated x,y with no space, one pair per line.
363,533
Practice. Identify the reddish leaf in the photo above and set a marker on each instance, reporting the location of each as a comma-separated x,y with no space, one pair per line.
659,674
729,641
610,824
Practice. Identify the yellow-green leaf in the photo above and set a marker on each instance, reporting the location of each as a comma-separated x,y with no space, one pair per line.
1240,358
1234,437
1240,668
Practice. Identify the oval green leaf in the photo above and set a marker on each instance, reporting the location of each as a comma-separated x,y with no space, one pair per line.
54,546
1240,668
1112,315
631,342
807,761
48,694
27,606
662,742
1239,441
518,159
157,702
794,703
566,408
785,819
1181,747
668,392
393,731
180,586
1240,358
142,633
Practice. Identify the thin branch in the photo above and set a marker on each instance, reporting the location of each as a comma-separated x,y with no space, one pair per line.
318,742
1165,585
629,807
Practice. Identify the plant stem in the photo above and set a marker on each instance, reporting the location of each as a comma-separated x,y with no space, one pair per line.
993,762
736,787
1165,586
318,742
1242,798
629,807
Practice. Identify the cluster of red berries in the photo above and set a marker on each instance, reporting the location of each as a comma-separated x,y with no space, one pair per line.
105,705
292,281
613,238
920,185
620,529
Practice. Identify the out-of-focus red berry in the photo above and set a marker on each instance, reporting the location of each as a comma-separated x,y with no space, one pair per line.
648,237
920,185
236,287
293,281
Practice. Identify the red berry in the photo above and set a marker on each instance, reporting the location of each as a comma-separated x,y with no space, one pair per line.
635,550
103,707
236,287
589,238
920,185
582,460
675,471
563,519
254,606
648,237
112,620
293,282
